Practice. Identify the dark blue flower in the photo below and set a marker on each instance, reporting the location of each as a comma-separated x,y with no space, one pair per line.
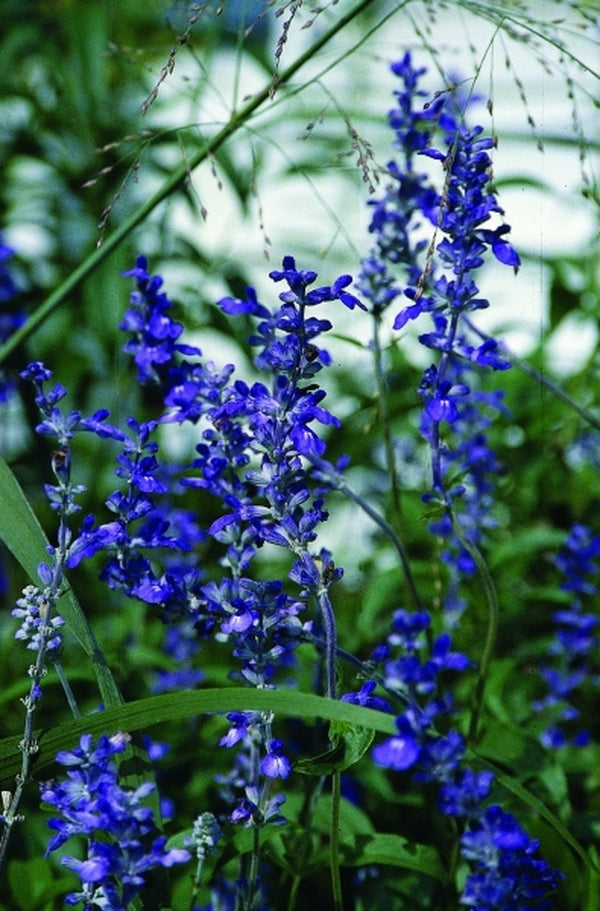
365,697
508,874
121,839
441,758
569,667
447,391
464,796
399,752
298,281
408,197
154,333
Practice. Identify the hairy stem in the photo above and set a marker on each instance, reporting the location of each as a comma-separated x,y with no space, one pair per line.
330,627
28,745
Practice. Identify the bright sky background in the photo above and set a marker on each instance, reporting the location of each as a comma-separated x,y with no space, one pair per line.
555,221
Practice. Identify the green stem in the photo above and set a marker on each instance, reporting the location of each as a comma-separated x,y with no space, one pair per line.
67,690
179,176
293,893
334,842
554,388
302,844
384,416
197,882
253,874
385,527
492,625
29,745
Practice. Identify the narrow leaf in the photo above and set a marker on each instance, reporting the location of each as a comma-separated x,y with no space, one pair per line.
174,707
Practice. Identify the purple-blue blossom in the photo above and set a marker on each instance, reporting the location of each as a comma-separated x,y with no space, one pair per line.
408,198
569,667
437,281
298,281
154,334
122,843
508,873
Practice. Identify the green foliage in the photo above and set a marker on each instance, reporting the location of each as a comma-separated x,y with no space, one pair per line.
87,182
350,745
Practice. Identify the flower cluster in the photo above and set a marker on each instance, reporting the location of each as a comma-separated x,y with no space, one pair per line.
122,842
506,870
55,422
505,867
570,665
253,459
153,342
256,486
40,625
36,626
408,196
62,496
144,522
268,501
449,400
455,412
256,442
508,874
413,664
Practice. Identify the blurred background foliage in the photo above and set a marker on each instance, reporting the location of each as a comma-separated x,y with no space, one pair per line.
77,156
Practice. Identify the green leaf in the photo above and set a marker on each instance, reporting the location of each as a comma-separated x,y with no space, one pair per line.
560,856
351,743
25,538
33,884
592,892
174,707
534,803
516,749
519,546
393,851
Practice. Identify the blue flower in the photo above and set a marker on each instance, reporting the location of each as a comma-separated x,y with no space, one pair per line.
365,697
413,665
275,764
441,758
154,333
509,875
121,839
568,668
298,281
408,196
55,422
464,796
439,281
399,752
